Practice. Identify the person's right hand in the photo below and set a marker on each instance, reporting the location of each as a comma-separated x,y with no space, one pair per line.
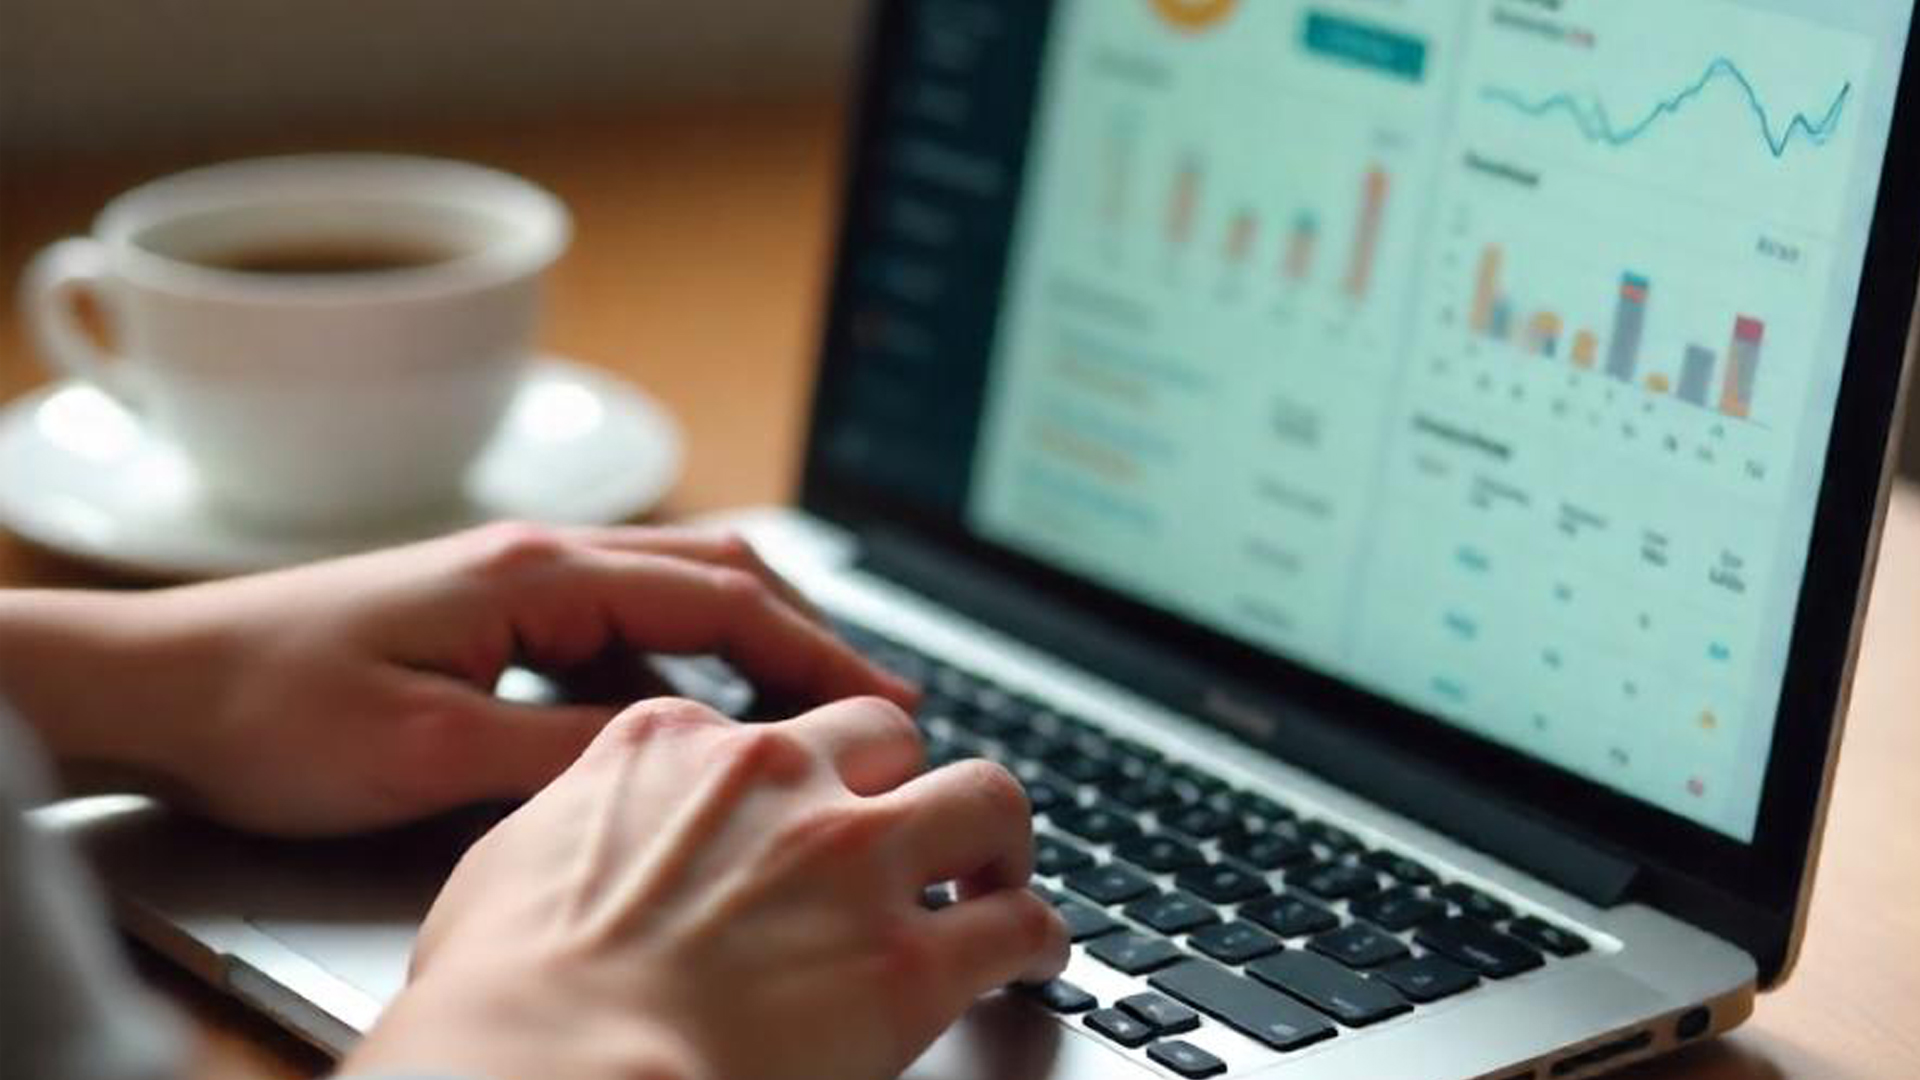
697,899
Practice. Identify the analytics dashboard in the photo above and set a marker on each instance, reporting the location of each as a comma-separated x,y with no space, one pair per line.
1481,353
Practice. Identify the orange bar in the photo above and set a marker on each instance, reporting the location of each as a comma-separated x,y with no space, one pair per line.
1659,384
1486,288
1366,237
1240,236
1585,346
1543,332
1743,362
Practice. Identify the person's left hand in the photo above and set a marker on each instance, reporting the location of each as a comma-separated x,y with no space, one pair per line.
357,693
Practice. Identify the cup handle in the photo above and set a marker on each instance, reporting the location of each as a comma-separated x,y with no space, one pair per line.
59,273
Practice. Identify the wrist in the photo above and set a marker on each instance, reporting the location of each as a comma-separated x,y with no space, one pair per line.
467,1026
87,671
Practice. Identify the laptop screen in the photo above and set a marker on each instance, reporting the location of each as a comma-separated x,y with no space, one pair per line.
1482,355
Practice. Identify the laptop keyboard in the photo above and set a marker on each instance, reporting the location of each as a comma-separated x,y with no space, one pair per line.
1228,906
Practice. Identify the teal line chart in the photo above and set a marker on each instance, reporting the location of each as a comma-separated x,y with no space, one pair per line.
1595,123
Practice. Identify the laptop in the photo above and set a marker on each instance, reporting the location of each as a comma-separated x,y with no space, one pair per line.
1398,482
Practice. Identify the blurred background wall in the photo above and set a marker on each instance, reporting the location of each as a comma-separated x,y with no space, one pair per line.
108,76
80,75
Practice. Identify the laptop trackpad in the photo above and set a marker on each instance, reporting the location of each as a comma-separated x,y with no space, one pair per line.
371,957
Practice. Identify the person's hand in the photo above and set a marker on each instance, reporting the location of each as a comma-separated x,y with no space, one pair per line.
701,900
358,693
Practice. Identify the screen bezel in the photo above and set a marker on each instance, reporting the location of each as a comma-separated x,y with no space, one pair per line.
1769,874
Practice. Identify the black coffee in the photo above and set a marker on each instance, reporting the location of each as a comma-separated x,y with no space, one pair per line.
310,257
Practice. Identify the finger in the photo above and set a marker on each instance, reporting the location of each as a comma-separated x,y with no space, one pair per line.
1002,937
968,823
715,546
493,749
665,604
873,744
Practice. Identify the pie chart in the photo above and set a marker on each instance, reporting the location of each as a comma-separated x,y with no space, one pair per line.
1193,16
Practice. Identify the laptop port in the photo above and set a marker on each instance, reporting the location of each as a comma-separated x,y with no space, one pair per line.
1604,1052
1693,1023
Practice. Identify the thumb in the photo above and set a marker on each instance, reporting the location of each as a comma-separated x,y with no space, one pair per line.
510,750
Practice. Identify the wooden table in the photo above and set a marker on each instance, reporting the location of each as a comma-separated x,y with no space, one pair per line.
702,239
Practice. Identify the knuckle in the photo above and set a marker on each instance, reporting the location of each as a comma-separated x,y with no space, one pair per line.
884,713
840,832
739,589
509,547
646,720
994,789
1040,927
765,752
735,550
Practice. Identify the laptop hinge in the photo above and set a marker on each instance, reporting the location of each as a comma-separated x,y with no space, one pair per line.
1313,741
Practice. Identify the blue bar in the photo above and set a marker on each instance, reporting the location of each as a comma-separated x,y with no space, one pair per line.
1365,45
1629,323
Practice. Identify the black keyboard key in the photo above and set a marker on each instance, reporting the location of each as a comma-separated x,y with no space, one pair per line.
1200,821
1473,903
1159,853
1400,868
1204,782
1174,912
1053,856
951,682
1269,850
1132,953
937,897
1078,767
989,725
1098,824
1334,880
1222,883
1045,796
1479,946
1123,1028
1358,945
902,662
1164,1015
1354,1000
1147,792
1331,836
1085,923
1031,745
1046,892
1246,1006
941,752
1185,1059
1111,883
1542,934
1235,942
1290,916
1428,978
1260,807
992,700
1399,909
1062,996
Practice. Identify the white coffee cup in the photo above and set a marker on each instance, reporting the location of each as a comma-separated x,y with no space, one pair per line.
350,383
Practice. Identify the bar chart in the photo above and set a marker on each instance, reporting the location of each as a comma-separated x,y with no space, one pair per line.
1153,198
1197,222
1492,317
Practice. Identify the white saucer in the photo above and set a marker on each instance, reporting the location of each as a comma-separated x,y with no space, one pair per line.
80,476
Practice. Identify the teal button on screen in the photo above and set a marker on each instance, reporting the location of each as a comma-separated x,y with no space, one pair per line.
1388,52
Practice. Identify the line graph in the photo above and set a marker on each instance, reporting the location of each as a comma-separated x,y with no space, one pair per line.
1590,115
